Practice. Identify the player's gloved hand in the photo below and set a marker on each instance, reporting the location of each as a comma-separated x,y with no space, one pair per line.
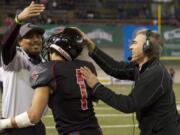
5,123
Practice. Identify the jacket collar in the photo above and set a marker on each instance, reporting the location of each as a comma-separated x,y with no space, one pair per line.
147,64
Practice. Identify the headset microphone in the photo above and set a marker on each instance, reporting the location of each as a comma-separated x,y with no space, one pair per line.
129,58
135,56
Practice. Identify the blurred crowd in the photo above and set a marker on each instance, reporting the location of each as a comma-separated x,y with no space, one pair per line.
67,11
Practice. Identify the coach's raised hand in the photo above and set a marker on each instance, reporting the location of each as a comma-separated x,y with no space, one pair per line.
32,10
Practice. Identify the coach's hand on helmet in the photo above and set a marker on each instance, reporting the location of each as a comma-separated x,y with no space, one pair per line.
31,11
87,41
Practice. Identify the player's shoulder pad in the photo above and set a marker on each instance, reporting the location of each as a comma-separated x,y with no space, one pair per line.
91,67
41,74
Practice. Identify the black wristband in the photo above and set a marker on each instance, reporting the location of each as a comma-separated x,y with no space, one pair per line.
94,51
96,86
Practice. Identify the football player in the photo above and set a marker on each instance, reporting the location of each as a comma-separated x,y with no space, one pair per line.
59,84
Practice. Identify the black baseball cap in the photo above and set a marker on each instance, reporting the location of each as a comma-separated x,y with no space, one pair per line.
28,27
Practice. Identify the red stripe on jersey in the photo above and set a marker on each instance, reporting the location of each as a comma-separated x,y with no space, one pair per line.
82,86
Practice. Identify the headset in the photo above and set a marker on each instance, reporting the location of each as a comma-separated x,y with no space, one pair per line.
147,47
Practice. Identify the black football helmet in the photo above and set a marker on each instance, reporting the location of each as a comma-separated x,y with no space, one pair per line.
68,42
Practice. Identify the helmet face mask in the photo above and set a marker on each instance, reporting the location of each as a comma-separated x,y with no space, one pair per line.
69,43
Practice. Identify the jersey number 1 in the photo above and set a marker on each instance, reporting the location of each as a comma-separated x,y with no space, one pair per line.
82,86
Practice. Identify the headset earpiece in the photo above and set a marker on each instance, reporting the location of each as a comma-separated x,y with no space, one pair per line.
147,48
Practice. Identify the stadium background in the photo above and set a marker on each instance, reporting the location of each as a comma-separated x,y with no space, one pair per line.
105,21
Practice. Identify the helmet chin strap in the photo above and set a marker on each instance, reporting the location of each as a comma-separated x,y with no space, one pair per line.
61,51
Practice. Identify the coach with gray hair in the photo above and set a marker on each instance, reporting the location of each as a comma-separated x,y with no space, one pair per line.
152,98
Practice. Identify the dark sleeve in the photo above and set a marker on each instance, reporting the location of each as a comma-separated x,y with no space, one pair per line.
9,43
118,101
40,75
147,91
119,70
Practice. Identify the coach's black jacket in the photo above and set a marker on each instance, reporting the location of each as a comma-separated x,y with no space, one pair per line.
152,97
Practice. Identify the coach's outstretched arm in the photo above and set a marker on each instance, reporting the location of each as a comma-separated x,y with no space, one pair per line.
120,70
